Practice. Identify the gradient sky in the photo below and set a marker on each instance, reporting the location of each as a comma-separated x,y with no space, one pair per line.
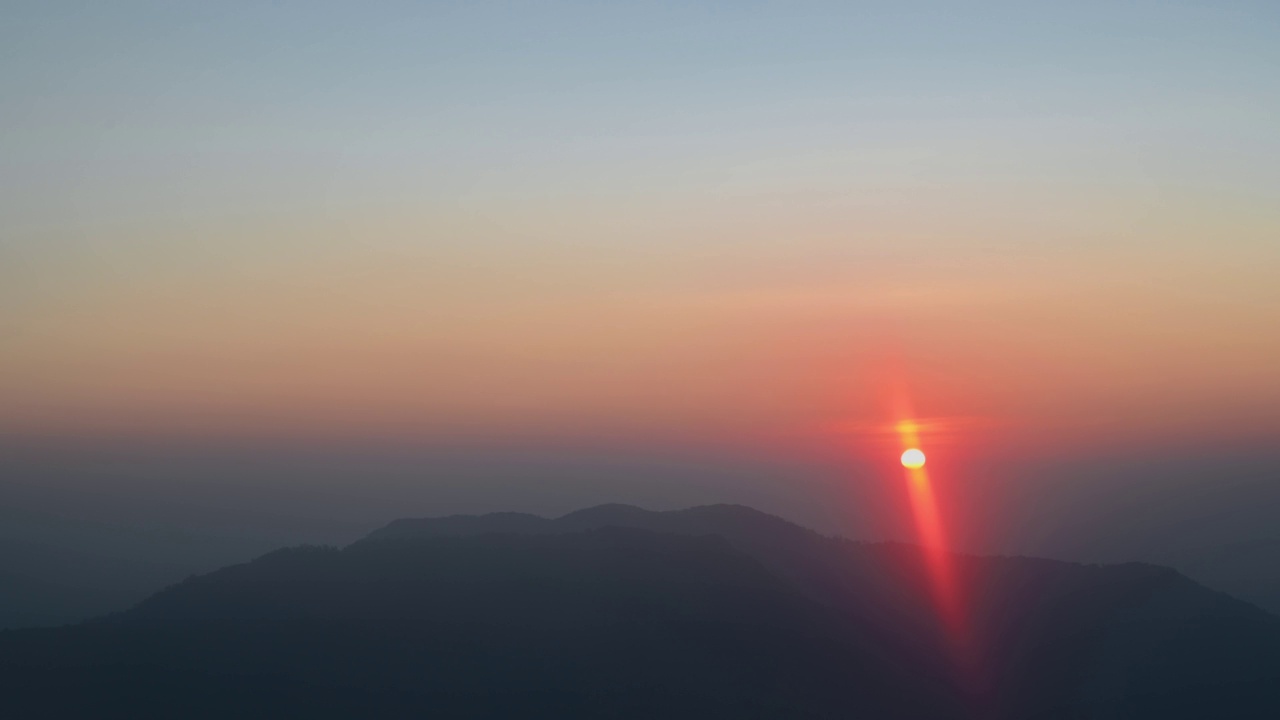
703,223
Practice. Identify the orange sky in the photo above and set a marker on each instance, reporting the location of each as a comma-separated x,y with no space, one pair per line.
683,223
730,323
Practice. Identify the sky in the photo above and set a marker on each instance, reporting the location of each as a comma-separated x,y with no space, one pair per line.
700,227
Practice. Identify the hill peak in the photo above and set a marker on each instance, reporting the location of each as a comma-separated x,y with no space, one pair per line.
731,521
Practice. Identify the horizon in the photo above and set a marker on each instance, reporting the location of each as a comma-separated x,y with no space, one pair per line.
991,291
1000,282
668,240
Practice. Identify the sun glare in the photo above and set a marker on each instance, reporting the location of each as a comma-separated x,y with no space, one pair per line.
913,458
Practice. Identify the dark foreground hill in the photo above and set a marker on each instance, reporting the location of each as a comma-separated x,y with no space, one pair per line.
618,612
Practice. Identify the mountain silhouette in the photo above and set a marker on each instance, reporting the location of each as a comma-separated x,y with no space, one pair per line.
615,611
1248,569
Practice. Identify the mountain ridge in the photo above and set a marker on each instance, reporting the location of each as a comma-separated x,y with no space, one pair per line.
699,612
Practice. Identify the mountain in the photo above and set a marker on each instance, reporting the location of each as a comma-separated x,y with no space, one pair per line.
615,621
614,611
1249,569
57,580
43,584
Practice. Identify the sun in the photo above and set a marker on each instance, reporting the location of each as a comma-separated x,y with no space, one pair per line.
913,458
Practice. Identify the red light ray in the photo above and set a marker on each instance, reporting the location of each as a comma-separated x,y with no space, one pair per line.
939,562
945,576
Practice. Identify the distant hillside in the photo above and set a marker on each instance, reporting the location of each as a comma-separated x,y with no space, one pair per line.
615,611
43,584
1249,570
